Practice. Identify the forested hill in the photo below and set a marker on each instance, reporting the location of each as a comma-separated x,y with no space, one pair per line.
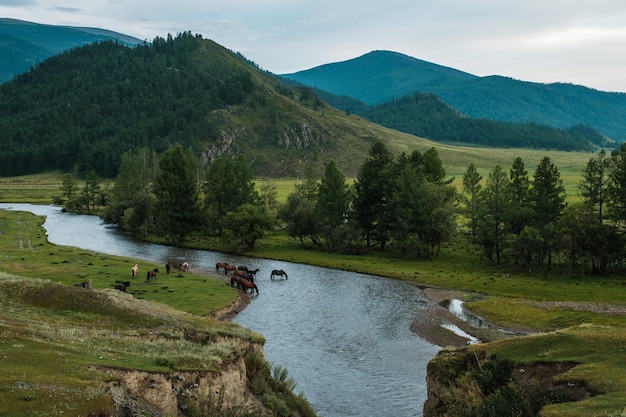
25,44
382,76
425,115
82,109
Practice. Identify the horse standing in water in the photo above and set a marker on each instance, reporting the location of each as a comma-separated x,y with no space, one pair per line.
152,275
244,284
279,273
134,271
221,265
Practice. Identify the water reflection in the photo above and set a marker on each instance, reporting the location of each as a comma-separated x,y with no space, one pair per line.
344,337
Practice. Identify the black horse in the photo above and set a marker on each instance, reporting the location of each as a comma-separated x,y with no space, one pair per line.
278,273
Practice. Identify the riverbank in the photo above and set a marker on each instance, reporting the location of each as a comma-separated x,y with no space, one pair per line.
437,325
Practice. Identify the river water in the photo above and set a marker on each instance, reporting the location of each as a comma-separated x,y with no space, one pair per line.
343,337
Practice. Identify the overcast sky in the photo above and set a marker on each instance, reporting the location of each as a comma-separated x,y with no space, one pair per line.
576,41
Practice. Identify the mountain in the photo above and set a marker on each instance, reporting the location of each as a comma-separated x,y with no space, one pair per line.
382,76
25,44
82,109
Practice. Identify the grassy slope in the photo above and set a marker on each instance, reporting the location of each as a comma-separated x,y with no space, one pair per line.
52,333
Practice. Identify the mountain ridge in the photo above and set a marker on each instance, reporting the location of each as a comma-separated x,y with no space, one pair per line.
25,44
386,76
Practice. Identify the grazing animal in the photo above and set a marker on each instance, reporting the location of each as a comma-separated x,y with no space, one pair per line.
86,284
244,284
184,267
168,267
279,273
244,274
152,275
229,269
134,271
221,265
121,286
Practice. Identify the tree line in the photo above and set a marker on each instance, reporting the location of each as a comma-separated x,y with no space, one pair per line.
405,204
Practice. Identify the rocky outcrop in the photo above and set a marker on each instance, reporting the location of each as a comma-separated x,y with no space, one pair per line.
176,393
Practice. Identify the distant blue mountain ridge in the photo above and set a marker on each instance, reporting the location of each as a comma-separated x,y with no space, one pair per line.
382,76
25,44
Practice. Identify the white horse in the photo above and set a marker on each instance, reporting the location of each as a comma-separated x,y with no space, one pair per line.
134,271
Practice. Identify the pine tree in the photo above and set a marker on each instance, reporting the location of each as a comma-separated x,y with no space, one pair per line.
176,192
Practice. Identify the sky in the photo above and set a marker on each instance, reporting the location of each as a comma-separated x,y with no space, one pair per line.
580,42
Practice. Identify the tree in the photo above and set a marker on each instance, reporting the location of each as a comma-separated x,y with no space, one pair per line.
548,199
495,201
298,211
547,192
69,186
228,185
176,192
594,185
407,208
617,185
472,187
246,224
132,202
91,191
331,208
432,167
521,213
373,193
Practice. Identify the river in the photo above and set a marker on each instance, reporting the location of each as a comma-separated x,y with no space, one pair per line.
343,337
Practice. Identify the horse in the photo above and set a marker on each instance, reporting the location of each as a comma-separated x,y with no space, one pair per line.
134,271
244,284
278,272
168,267
184,267
152,275
244,274
221,265
121,286
229,269
86,284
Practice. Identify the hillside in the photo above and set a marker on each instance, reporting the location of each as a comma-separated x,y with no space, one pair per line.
425,115
185,90
25,44
381,76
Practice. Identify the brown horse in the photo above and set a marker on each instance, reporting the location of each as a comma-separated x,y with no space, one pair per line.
221,265
244,274
244,284
279,273
229,269
152,275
